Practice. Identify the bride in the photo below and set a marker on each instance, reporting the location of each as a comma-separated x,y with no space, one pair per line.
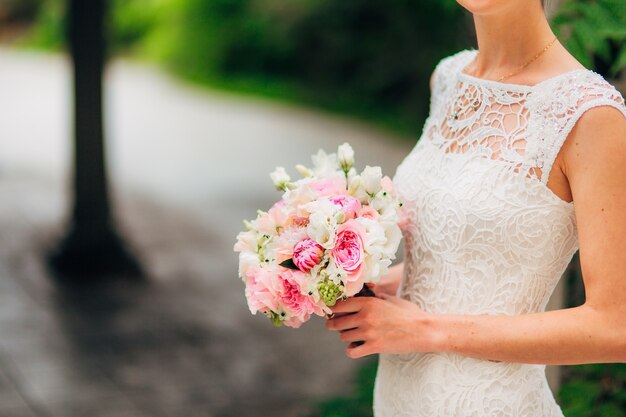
522,161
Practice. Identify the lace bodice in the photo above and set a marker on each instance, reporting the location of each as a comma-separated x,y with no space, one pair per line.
484,234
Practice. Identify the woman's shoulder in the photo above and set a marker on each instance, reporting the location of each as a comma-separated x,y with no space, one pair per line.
559,104
447,66
455,60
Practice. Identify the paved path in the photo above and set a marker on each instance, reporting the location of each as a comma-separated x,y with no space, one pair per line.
187,167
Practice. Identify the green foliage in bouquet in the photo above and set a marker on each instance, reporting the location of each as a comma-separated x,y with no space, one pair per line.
594,390
594,31
329,291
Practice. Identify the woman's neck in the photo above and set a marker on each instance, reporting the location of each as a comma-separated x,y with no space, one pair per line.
509,38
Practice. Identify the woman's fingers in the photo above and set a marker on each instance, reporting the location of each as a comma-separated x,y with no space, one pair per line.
353,335
344,322
351,305
359,350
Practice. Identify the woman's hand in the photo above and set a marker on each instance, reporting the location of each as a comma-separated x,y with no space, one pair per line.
388,324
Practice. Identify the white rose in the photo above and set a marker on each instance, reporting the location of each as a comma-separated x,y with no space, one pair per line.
324,165
300,195
371,177
375,267
386,206
394,236
323,219
318,271
381,238
280,178
356,188
336,273
345,156
374,236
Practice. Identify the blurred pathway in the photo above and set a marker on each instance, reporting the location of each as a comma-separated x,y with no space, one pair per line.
187,165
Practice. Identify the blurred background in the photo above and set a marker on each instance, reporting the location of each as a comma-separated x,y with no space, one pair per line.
135,135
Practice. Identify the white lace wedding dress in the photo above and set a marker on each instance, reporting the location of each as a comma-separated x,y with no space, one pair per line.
485,235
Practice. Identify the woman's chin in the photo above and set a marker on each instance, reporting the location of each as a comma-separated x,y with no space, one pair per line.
486,7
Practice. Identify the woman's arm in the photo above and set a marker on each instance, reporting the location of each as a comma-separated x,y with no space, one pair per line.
572,336
595,166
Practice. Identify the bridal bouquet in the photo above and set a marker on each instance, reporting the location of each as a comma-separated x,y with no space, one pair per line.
332,231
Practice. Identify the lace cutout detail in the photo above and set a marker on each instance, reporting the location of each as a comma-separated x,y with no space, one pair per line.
520,126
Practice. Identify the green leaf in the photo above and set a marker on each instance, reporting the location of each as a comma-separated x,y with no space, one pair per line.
275,318
289,264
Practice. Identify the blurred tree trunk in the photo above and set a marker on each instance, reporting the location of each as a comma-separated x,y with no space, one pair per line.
92,246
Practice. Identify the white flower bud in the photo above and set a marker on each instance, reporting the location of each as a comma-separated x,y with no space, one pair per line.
280,178
345,156
304,171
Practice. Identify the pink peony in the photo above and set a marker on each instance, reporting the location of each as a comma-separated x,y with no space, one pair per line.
306,254
262,287
349,205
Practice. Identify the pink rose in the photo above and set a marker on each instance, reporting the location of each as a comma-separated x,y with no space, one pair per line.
354,286
349,205
306,254
368,212
349,254
348,251
297,221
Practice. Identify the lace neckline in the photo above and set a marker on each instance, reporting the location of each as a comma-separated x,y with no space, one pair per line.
471,53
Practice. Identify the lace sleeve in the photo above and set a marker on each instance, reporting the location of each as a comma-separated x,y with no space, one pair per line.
562,108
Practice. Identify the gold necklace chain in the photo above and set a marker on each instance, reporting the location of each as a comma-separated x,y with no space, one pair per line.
529,62
476,103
